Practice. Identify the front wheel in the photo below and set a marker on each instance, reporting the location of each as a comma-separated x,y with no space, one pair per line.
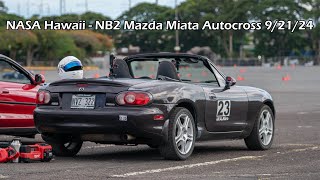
68,147
262,134
181,136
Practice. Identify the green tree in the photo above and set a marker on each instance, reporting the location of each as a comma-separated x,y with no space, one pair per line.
279,42
8,17
90,41
88,17
54,45
147,40
221,41
3,8
314,34
91,17
18,42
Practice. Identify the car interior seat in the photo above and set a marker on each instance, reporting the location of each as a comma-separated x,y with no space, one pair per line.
167,71
121,69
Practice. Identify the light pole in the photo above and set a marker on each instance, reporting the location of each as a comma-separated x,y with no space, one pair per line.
86,5
62,7
177,47
28,8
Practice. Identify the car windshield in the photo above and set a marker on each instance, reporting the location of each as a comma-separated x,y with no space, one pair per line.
188,69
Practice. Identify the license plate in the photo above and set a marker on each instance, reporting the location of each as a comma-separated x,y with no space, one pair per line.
83,101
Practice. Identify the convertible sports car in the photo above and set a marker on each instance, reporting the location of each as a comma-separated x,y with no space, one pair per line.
18,90
165,100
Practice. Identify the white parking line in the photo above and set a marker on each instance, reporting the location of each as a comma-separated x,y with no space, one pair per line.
290,144
304,126
3,176
152,171
186,166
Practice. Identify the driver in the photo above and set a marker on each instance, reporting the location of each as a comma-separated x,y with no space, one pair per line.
70,67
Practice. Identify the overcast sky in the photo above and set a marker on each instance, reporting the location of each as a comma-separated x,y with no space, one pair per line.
111,8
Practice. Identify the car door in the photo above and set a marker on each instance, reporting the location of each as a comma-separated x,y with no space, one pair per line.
17,97
226,109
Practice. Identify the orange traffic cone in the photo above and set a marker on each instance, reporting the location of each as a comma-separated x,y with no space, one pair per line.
204,73
279,67
240,78
286,78
96,75
152,76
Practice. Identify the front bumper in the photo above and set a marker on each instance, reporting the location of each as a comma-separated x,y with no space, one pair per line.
136,121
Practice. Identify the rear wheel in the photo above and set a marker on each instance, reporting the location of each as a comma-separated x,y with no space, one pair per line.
181,136
68,147
262,134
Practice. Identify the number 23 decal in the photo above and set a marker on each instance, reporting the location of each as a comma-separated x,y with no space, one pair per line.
224,108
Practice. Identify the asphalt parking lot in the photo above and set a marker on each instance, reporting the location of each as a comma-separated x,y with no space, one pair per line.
295,153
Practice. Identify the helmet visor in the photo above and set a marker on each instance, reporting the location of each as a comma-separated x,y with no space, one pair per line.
73,66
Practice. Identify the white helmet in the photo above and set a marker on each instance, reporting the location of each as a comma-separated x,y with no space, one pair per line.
70,67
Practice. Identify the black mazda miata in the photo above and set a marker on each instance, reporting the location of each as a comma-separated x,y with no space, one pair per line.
165,100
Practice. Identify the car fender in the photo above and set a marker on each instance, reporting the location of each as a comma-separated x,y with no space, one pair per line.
257,98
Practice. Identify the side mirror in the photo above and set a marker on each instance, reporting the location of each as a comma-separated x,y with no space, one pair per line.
39,79
230,81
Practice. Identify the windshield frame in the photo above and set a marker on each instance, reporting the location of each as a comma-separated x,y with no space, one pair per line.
156,56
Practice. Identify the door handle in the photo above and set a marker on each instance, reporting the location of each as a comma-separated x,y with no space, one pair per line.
212,96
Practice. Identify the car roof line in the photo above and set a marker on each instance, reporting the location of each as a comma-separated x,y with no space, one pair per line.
163,55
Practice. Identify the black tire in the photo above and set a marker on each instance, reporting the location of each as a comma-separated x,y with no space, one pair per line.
67,148
254,141
169,148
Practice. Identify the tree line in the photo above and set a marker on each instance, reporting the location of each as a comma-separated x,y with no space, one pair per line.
49,45
226,43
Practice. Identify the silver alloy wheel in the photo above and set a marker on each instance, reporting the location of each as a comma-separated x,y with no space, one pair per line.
184,134
266,127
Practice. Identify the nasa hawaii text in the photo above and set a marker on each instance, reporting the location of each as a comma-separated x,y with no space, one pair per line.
168,25
129,25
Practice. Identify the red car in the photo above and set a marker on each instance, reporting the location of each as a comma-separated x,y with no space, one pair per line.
18,89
